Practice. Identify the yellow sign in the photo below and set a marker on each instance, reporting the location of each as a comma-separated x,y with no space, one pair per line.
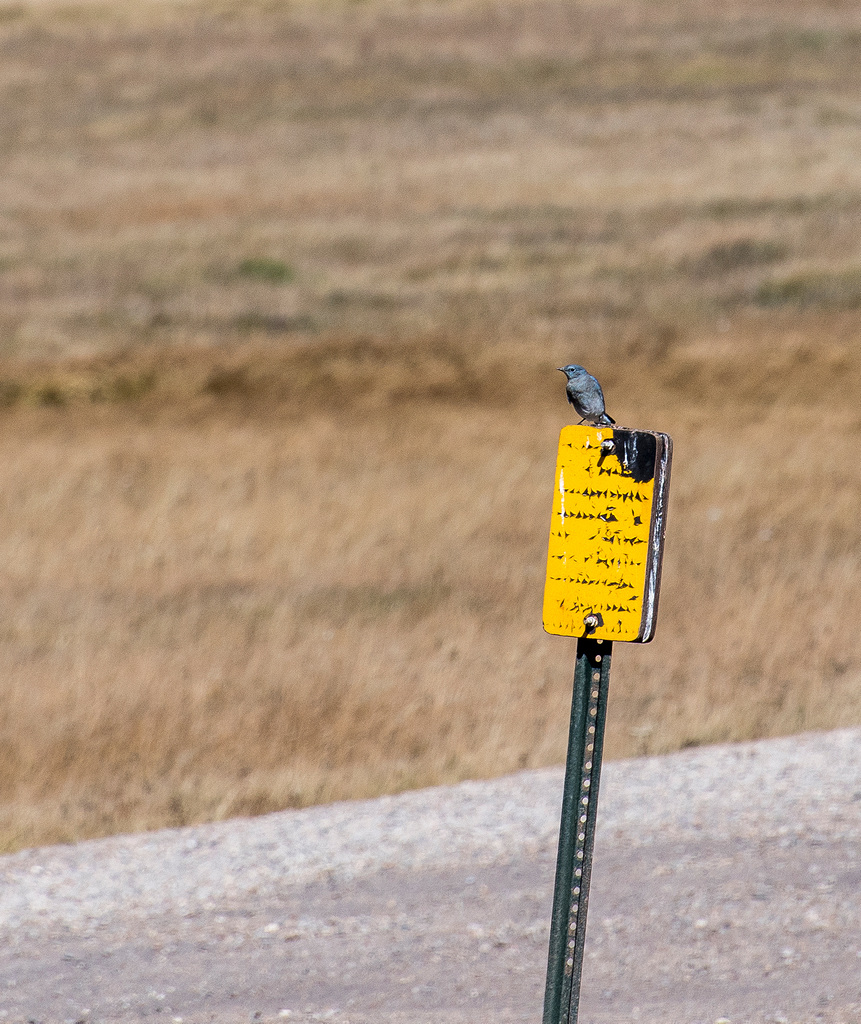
606,535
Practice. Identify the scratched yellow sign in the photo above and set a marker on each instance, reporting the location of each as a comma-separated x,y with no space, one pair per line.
606,534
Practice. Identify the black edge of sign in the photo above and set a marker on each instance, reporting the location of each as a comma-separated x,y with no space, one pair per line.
656,537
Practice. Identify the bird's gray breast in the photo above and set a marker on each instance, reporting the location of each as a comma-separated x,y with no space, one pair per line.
586,397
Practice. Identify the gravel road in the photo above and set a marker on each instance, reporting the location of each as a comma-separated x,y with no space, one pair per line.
725,887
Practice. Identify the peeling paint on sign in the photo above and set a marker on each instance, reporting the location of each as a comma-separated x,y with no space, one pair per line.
607,532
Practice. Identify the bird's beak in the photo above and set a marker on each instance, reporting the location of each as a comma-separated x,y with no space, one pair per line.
561,369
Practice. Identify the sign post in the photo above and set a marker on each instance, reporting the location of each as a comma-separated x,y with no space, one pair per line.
603,579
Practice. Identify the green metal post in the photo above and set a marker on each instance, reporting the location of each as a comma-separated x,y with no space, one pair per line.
577,831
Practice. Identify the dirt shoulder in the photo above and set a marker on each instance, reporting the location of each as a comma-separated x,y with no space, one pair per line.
725,886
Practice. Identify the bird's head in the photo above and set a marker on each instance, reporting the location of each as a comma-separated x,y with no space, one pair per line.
571,370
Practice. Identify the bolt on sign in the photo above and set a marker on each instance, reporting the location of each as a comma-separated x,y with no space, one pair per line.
607,532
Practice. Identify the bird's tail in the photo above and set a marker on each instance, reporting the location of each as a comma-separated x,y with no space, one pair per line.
609,419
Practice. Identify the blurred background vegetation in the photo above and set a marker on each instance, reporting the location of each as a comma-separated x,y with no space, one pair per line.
282,290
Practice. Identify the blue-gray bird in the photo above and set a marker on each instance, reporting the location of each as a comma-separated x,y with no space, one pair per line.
585,394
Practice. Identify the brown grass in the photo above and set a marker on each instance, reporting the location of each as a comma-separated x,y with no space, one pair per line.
282,292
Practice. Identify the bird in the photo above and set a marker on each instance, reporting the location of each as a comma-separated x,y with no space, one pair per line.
585,394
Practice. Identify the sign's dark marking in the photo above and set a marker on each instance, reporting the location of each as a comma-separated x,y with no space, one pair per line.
637,452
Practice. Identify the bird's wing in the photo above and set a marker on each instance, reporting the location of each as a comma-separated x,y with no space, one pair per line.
592,401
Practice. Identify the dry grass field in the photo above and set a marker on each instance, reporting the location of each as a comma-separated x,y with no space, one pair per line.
282,290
